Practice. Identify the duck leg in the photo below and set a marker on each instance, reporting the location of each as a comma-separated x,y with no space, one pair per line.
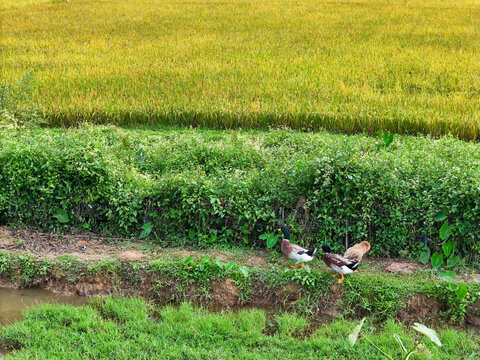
294,267
334,275
302,266
342,278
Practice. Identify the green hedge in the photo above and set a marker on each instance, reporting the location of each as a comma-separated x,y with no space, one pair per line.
206,186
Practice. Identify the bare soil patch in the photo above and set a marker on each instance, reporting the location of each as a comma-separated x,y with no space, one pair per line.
51,245
89,246
401,267
473,315
130,255
225,293
7,239
256,261
332,305
420,308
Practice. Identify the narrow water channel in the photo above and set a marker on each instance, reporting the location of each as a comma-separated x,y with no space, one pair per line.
14,301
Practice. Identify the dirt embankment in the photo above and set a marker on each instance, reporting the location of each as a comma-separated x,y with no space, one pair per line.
130,277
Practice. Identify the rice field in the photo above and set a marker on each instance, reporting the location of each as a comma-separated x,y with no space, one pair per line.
407,66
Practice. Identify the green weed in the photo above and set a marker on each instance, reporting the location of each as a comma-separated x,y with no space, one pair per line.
16,108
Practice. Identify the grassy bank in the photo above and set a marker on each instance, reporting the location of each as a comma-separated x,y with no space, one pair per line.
352,66
124,329
221,187
208,281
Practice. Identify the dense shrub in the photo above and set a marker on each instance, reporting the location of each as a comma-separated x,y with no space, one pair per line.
201,187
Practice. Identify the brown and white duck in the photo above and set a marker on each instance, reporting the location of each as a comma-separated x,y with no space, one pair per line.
348,263
295,252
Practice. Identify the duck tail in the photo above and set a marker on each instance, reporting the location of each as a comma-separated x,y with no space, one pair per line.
356,252
312,252
353,266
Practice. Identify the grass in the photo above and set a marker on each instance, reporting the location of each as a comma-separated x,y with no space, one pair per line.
353,66
186,332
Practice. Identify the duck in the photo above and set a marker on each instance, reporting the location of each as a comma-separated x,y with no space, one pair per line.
295,252
82,245
348,263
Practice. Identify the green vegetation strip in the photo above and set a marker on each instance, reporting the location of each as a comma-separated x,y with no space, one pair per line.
207,187
124,329
174,281
352,66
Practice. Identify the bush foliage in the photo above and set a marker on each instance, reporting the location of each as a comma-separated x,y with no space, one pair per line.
202,187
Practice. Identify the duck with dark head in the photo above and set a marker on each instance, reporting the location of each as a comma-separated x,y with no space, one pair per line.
348,263
295,252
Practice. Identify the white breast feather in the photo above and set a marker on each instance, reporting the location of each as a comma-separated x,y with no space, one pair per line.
303,257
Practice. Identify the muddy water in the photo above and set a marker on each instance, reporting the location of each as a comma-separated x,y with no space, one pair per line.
14,301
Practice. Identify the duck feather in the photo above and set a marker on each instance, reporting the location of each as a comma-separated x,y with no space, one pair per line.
357,251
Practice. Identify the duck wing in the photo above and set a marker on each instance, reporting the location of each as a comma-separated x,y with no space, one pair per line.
339,261
356,252
300,250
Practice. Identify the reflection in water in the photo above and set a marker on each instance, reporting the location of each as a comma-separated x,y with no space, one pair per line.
14,301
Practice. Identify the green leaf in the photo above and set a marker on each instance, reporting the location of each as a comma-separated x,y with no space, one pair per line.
430,333
263,237
147,229
61,216
188,260
425,256
400,342
441,215
244,271
387,138
424,352
446,230
271,240
448,246
461,291
437,260
191,234
353,337
453,260
447,275
219,264
462,228
229,266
